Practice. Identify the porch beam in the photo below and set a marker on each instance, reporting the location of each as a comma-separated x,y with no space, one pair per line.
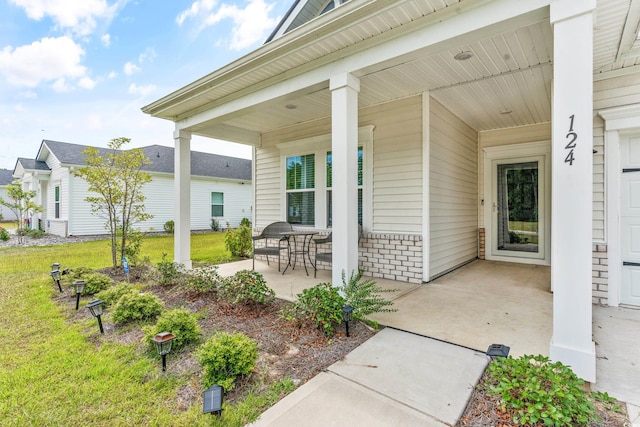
182,195
572,186
344,193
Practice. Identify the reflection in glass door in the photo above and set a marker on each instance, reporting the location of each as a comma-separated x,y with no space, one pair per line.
517,208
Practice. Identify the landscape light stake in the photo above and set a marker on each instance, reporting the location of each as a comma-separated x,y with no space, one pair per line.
55,275
212,402
96,307
347,316
78,286
162,342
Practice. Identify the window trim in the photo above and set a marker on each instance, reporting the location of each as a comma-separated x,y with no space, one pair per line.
56,201
211,204
319,145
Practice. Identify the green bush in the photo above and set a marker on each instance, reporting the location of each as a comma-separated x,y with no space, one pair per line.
364,296
95,282
205,279
245,222
111,295
169,226
180,322
215,224
238,241
35,233
225,357
321,304
169,272
535,390
136,306
4,234
133,244
246,287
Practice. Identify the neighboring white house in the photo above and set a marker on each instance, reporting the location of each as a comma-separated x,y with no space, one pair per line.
425,115
6,178
220,189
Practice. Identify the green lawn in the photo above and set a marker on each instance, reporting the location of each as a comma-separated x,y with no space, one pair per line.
54,372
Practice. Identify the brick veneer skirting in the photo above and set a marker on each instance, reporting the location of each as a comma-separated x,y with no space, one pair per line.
600,274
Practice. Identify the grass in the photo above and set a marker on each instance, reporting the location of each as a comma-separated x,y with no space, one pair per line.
523,226
54,372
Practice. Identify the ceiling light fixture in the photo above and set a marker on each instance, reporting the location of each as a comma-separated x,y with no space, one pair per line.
463,56
291,106
505,111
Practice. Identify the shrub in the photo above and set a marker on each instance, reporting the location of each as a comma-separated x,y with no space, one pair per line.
215,224
133,245
205,279
322,304
169,226
245,222
111,295
4,234
95,282
225,357
35,233
180,322
136,306
238,241
364,296
246,287
534,390
168,271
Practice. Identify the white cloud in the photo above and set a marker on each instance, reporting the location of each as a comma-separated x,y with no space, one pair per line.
20,108
61,85
29,94
86,83
147,56
49,59
106,40
80,16
250,25
112,75
130,68
145,90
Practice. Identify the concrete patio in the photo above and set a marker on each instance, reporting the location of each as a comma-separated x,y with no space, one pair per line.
489,302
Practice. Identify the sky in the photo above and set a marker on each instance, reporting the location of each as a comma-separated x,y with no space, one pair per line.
79,71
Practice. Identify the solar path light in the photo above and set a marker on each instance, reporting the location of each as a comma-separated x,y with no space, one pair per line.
162,342
347,316
213,400
78,286
96,307
56,275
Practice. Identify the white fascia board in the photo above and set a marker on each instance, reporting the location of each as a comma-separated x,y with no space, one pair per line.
454,31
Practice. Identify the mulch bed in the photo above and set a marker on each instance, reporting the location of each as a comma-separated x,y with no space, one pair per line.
296,350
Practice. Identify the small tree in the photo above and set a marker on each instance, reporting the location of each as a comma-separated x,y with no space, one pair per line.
118,179
21,204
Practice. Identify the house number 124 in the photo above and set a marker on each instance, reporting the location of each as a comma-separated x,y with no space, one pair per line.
571,136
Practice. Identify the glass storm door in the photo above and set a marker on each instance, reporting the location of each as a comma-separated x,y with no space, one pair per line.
518,202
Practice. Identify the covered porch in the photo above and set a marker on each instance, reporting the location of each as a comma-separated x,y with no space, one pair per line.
487,302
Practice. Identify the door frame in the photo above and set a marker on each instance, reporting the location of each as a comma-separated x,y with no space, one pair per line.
518,152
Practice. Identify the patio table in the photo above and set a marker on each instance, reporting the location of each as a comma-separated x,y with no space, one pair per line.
291,237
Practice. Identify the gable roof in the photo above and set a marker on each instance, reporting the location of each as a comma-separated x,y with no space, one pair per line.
6,177
32,164
301,12
162,160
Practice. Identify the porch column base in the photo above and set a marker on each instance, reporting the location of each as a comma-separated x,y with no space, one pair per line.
581,361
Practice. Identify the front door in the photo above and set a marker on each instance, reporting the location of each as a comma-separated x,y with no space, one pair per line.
630,220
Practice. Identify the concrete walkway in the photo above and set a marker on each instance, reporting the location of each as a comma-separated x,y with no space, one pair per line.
394,379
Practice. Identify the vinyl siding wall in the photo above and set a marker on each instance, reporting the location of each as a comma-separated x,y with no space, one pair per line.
397,166
453,191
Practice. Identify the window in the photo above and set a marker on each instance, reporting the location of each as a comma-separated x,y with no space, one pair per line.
57,201
306,179
329,185
301,189
217,204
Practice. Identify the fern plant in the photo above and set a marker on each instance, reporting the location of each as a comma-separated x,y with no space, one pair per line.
365,296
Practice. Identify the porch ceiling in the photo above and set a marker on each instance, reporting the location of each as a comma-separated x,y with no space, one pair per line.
507,81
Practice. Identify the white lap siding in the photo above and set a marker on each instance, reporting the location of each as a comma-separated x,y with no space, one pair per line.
453,191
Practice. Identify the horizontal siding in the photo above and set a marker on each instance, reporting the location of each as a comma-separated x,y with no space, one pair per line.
453,191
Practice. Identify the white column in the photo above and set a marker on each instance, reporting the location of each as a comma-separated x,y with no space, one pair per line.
572,165
344,147
182,183
426,188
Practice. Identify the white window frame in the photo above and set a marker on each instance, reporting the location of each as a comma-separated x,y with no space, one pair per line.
320,145
211,204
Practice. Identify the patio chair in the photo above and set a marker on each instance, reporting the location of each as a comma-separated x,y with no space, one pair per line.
325,254
273,241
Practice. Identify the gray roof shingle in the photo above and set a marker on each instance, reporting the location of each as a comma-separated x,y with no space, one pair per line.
162,159
6,176
32,164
